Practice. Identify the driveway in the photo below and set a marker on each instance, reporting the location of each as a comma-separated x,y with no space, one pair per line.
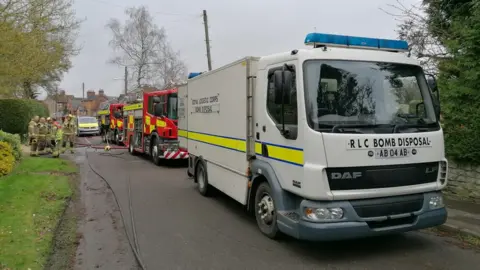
177,228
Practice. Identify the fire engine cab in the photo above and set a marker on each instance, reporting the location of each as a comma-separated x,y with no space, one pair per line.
111,122
152,126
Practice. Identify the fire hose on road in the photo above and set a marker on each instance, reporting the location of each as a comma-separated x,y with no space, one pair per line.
133,244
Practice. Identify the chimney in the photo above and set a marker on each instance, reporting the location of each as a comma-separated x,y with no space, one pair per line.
101,92
90,93
62,92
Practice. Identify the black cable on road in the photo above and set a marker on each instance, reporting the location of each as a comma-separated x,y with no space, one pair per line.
133,245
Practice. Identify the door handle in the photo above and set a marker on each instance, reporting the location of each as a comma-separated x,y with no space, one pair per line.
264,150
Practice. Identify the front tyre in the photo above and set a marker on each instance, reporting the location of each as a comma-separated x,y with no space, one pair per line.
265,212
155,152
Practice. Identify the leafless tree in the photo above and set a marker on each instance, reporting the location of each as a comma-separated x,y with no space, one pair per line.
413,27
142,46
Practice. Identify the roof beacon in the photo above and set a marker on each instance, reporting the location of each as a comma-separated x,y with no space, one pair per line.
193,74
322,40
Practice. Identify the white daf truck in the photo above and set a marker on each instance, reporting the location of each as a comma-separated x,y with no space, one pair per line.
337,141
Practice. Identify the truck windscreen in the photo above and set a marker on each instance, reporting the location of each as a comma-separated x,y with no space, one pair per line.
366,93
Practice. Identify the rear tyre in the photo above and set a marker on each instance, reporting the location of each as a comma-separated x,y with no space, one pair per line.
131,149
265,212
201,177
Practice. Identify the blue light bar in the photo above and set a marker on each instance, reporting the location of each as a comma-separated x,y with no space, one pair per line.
194,74
319,39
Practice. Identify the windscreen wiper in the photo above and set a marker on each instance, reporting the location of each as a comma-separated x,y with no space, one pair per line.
354,128
420,125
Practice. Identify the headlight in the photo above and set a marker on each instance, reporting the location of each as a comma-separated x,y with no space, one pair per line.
323,214
436,202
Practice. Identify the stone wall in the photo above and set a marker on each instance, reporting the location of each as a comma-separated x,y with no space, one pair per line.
463,182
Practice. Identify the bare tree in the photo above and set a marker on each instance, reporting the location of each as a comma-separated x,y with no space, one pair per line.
142,46
413,27
171,69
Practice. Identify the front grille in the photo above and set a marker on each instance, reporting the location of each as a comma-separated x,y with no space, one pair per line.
388,206
349,178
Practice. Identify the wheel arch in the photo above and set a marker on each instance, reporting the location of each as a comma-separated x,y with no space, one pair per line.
263,171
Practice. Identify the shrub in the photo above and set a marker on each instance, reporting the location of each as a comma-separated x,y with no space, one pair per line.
7,160
14,141
17,113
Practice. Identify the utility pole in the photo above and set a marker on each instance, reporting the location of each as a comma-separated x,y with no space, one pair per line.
83,91
56,101
126,80
207,40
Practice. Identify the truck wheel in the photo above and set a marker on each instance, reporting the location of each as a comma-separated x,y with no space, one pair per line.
154,152
201,178
131,150
116,138
265,212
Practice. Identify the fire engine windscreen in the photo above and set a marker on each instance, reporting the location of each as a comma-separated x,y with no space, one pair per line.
172,107
366,93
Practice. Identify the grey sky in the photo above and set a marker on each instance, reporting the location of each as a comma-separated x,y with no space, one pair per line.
237,28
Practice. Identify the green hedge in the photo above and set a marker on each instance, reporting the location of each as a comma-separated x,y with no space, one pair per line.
16,113
14,141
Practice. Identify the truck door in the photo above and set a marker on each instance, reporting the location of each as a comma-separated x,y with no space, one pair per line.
279,138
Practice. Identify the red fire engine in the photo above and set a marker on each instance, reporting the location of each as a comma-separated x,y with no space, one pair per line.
111,122
152,126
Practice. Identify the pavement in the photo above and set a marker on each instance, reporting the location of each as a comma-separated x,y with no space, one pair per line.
463,217
177,228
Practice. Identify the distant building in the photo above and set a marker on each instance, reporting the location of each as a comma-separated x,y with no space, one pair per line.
62,104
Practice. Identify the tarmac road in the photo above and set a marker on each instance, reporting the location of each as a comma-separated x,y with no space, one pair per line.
177,228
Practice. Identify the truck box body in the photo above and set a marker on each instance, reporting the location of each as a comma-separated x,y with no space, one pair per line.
217,124
270,137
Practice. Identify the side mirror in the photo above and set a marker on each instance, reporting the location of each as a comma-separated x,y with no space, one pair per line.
283,86
158,110
432,84
156,99
420,109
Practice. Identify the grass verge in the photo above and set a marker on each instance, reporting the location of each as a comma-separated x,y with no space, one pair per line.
33,199
464,240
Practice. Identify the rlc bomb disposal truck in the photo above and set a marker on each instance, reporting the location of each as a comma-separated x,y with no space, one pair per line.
339,141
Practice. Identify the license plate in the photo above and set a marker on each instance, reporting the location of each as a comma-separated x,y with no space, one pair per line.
392,153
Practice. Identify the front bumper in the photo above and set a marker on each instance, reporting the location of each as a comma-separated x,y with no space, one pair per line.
353,226
178,154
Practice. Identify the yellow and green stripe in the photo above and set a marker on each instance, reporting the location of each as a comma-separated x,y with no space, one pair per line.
277,152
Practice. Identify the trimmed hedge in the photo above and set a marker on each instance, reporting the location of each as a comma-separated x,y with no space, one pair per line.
14,141
17,113
7,160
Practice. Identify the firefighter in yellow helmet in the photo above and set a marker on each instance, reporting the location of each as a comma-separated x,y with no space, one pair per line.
42,136
31,127
69,129
33,136
52,140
